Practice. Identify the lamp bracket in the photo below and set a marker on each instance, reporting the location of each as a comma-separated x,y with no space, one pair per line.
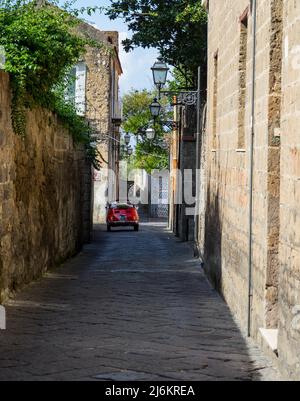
185,98
174,125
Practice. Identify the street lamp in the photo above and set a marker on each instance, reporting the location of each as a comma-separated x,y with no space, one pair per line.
127,139
129,151
160,72
184,97
150,133
155,108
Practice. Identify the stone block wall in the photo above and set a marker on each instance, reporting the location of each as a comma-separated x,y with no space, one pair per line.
182,188
44,196
227,156
289,248
102,103
224,230
188,162
98,63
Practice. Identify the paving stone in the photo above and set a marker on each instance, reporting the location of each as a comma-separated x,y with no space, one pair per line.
131,306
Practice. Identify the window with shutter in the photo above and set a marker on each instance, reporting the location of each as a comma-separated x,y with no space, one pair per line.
70,91
2,58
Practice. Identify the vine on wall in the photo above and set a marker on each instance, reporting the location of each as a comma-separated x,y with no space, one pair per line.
41,46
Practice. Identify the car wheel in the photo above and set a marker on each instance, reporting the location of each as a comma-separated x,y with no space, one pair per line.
108,228
136,228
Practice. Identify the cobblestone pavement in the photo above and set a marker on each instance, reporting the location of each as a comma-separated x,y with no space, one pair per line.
131,306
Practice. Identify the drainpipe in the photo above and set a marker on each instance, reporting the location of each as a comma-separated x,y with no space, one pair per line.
251,172
196,234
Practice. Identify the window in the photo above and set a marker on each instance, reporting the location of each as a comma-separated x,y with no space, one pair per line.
70,91
76,91
80,91
242,78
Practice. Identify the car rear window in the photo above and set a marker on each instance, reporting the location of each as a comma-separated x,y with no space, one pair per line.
122,207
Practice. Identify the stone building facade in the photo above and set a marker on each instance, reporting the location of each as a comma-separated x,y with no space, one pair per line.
102,107
252,254
183,145
45,196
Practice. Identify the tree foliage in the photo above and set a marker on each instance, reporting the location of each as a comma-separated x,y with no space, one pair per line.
41,46
149,155
177,28
136,110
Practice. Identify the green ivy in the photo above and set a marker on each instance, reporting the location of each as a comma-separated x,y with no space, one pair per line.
41,45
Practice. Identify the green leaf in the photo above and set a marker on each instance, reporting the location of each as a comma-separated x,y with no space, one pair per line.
33,37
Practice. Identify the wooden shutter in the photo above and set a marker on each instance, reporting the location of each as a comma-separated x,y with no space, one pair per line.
80,89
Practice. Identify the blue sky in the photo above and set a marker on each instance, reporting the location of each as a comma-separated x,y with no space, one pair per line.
136,65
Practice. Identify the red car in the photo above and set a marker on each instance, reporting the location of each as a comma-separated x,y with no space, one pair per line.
122,215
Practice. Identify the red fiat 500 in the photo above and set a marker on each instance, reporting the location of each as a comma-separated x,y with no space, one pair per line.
122,215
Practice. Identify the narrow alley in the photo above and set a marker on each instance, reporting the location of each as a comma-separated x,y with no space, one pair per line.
131,306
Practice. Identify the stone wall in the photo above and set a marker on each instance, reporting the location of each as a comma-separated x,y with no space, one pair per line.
186,228
98,112
44,196
289,248
102,90
226,221
182,188
224,231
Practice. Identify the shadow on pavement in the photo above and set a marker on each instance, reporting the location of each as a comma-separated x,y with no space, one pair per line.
131,306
